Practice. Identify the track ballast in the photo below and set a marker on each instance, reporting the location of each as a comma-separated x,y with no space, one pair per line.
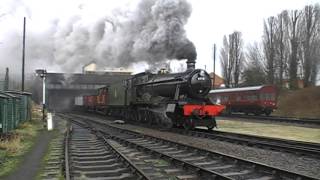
201,161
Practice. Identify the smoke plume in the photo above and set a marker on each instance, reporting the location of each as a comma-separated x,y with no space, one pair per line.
153,32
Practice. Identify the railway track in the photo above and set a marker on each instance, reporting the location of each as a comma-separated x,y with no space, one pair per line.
203,163
283,145
89,156
277,119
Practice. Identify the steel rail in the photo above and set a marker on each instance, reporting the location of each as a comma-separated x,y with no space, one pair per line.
278,119
291,146
66,155
259,167
133,167
262,142
204,173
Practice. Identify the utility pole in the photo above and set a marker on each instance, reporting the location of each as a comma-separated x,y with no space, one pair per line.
214,66
23,52
6,80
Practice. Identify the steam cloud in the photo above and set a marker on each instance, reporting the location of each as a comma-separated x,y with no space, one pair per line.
153,32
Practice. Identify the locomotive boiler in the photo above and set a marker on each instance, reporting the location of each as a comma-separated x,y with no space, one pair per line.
194,83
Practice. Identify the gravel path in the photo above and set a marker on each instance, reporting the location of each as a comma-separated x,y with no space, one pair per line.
31,164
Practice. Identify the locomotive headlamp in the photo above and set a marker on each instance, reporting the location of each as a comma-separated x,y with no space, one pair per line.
202,73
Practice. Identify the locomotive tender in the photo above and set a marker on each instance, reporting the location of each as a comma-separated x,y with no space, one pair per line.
164,99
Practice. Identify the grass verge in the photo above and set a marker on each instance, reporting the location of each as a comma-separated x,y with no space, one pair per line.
55,153
47,157
271,130
22,139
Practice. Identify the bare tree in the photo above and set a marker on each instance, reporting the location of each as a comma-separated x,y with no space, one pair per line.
294,42
236,48
254,69
269,47
231,56
315,55
282,50
225,62
309,34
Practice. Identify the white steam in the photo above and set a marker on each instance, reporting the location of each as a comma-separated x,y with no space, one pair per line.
153,33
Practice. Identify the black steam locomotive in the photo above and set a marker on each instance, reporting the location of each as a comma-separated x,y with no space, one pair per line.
176,99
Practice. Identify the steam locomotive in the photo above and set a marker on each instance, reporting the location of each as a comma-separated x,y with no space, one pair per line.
164,99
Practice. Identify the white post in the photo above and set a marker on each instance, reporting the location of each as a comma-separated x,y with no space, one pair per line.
49,122
44,90
44,98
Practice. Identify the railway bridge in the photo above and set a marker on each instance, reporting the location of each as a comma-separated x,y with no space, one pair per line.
61,88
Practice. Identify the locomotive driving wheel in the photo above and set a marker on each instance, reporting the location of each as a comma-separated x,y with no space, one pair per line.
210,127
268,112
188,124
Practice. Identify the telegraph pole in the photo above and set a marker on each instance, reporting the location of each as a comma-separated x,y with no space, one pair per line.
214,66
23,52
6,80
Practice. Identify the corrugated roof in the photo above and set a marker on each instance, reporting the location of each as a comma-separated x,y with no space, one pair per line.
19,92
8,95
252,88
3,96
60,78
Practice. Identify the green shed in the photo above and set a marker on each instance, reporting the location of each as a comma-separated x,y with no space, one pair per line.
11,110
3,114
25,104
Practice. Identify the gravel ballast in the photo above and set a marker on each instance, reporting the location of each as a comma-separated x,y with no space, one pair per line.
291,162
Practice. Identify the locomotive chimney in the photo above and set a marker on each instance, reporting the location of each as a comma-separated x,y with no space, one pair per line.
191,64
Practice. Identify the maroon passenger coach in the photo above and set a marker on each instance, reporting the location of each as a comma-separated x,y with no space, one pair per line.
256,100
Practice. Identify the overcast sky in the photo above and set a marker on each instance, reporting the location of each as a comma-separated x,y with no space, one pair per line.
209,21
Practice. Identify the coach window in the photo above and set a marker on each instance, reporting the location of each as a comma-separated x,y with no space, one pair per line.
254,98
273,97
268,96
225,98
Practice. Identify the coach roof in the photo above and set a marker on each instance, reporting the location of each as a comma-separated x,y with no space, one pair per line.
252,88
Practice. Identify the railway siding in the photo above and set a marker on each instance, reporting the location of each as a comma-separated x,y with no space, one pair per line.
89,157
153,166
233,167
282,145
291,162
307,122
